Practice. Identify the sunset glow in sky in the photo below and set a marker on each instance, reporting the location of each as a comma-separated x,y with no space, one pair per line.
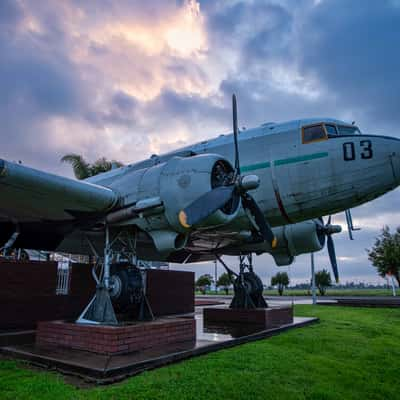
126,79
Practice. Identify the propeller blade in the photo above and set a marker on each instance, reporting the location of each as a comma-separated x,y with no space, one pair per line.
332,257
235,134
205,205
263,226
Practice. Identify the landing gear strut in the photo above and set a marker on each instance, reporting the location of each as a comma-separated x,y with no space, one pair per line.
118,284
247,285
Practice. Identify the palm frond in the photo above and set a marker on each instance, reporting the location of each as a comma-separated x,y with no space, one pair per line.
83,169
80,167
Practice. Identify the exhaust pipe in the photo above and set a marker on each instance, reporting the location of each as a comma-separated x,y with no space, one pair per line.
167,241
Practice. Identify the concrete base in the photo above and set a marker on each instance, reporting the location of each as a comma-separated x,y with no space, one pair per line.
112,340
267,318
103,369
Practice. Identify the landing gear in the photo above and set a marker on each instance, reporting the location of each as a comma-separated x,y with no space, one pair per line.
247,285
119,285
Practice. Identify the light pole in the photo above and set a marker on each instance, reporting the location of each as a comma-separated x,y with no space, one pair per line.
215,275
313,288
391,277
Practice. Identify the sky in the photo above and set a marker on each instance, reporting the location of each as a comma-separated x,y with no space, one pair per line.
127,79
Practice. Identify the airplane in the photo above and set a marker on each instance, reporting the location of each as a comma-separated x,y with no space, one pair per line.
261,190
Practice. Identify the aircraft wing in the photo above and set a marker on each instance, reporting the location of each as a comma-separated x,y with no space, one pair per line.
29,195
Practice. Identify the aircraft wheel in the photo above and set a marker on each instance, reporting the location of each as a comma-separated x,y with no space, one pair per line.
119,292
253,283
126,286
256,288
249,293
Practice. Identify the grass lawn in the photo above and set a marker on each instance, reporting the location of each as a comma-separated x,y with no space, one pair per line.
333,292
353,353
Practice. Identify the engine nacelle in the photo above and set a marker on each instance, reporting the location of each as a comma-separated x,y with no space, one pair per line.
184,180
296,239
160,192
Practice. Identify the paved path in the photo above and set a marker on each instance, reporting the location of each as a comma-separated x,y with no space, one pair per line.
271,300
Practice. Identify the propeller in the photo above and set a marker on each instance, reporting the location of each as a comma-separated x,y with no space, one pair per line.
232,187
328,230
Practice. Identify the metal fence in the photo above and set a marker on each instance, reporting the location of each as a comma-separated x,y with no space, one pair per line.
63,277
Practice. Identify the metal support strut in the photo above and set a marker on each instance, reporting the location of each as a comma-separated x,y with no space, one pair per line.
247,285
100,310
10,242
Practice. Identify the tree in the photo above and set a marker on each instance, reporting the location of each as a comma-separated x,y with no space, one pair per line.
225,281
83,169
204,282
281,280
385,253
322,281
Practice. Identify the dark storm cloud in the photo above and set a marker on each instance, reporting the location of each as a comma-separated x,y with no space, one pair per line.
29,79
187,107
353,48
35,85
263,28
260,29
10,12
349,48
262,101
123,102
121,110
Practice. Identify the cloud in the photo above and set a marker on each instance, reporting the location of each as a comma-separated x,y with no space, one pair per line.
352,50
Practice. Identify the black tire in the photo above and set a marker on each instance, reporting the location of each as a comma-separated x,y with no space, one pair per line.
24,256
120,293
257,288
127,285
255,283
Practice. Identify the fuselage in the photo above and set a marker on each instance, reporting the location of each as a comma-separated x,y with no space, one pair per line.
309,168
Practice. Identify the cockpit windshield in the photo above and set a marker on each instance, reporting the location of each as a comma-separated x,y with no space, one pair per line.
324,130
348,130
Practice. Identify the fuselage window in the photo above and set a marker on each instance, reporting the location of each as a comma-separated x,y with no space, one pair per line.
348,130
331,129
314,133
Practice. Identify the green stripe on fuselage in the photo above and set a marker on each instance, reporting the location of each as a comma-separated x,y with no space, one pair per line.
284,161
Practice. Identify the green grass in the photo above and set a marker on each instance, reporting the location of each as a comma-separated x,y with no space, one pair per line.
329,292
352,353
333,292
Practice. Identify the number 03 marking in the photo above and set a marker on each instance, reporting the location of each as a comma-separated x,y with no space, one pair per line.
349,152
367,149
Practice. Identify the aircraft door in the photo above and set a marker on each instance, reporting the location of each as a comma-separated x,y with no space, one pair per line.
284,176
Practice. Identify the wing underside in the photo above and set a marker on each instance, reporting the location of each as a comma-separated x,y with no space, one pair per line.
29,195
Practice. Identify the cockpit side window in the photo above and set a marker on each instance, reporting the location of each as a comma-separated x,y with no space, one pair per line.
331,129
314,133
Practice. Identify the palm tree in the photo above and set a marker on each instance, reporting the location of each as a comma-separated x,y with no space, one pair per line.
82,169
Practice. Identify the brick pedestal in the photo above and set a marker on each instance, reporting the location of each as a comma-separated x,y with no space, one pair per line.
113,340
272,317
